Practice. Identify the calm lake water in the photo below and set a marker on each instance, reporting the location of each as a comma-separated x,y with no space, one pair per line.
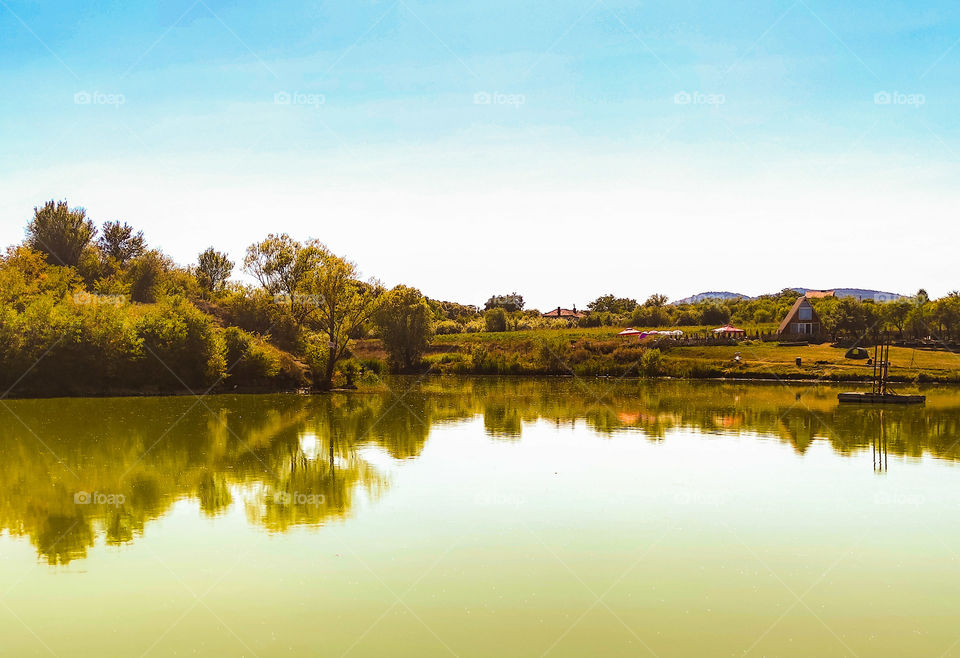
478,517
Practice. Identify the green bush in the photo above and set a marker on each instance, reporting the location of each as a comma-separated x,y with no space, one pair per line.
375,365
448,327
256,311
181,346
495,320
651,363
252,362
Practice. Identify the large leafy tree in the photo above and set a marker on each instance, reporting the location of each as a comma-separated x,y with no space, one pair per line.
281,265
146,276
342,304
403,323
59,232
656,300
896,314
213,269
612,304
119,242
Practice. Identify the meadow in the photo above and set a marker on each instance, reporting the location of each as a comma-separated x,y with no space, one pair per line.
599,351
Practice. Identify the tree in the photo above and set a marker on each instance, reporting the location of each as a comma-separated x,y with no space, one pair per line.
610,304
213,269
403,323
509,303
59,232
656,300
715,313
118,241
495,319
282,265
896,314
452,310
342,303
146,276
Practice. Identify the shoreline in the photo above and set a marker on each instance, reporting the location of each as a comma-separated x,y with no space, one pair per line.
424,376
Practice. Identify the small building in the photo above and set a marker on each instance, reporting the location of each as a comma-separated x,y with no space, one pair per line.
801,322
820,294
564,313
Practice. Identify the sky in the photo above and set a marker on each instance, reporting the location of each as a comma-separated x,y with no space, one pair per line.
560,149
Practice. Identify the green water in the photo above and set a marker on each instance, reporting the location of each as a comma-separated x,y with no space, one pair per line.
481,517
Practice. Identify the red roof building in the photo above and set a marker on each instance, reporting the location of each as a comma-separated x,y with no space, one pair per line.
558,312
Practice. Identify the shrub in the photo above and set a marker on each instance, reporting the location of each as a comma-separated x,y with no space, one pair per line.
181,346
651,363
253,362
374,365
403,322
448,327
145,276
592,320
495,320
256,311
478,358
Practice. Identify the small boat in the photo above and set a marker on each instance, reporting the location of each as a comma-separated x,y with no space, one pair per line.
881,393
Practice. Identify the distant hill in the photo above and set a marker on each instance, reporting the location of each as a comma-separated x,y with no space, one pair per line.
701,296
860,293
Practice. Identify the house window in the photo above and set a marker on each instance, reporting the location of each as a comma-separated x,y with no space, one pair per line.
805,313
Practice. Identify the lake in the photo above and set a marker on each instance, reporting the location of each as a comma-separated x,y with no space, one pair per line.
482,516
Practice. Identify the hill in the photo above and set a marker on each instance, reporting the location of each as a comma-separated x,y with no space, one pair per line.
860,293
702,296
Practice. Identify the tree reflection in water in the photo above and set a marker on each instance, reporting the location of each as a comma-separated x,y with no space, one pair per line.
298,460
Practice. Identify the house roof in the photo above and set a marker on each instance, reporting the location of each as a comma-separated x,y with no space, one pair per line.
795,309
817,294
563,313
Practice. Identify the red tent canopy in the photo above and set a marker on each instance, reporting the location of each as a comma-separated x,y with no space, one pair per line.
728,329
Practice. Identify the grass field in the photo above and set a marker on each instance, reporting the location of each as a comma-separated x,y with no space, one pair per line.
599,351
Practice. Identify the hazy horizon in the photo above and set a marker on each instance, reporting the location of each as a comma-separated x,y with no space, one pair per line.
562,150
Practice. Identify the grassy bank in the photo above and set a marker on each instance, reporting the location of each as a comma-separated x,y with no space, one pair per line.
599,351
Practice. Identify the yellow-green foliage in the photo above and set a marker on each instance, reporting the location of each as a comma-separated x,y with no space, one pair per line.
58,338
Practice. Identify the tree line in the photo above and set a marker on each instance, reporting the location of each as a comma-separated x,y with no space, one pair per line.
89,309
915,317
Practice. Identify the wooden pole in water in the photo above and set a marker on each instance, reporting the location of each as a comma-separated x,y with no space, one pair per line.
886,368
873,382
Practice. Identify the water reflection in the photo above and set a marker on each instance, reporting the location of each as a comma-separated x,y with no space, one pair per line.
75,470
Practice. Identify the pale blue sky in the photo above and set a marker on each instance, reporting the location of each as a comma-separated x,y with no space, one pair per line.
561,149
